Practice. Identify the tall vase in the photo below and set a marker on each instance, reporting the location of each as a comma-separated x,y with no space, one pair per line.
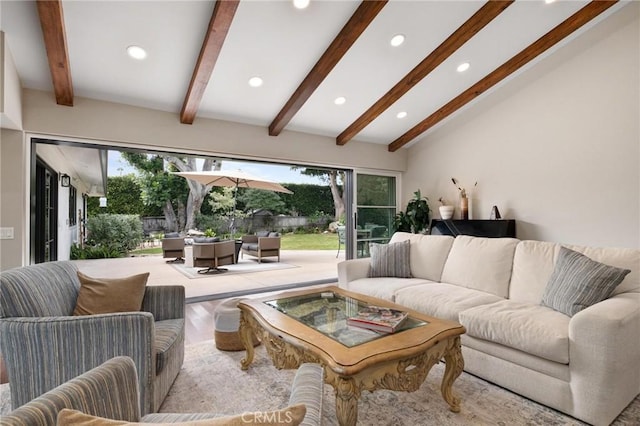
464,208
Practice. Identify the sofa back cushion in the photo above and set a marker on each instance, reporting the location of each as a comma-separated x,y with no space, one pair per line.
625,258
534,261
427,253
481,263
42,290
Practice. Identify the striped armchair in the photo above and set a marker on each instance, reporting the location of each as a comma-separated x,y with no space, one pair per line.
111,391
43,345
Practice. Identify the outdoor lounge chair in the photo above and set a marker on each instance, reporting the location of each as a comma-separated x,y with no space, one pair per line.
262,244
213,255
173,246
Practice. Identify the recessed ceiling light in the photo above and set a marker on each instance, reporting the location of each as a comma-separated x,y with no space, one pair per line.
136,52
463,67
300,4
340,100
401,114
549,1
255,82
397,40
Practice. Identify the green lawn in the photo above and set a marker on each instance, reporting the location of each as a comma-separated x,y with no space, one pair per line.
326,241
289,242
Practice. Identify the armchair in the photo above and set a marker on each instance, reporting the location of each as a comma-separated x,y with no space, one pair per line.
43,345
261,245
214,255
110,390
173,247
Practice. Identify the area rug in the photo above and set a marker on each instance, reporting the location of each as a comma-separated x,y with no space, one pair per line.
242,267
212,380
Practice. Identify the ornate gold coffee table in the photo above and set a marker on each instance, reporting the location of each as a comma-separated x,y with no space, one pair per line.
310,326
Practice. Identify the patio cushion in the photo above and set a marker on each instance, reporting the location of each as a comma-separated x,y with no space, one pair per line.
250,246
262,234
206,239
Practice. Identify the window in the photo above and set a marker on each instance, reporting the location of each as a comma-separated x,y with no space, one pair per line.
73,194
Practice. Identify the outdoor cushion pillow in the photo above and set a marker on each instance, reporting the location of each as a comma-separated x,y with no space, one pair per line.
262,234
274,234
108,295
206,239
171,235
291,416
390,260
578,282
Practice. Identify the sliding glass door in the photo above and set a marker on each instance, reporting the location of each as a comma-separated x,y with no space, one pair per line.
375,201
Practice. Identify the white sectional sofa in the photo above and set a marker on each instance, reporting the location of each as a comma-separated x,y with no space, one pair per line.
586,365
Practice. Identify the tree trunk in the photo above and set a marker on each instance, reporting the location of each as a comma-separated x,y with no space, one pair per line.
170,217
338,200
182,217
197,191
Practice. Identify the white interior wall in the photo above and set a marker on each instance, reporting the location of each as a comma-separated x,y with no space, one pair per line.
557,148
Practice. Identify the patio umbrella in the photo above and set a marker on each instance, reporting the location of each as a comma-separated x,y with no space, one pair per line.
233,179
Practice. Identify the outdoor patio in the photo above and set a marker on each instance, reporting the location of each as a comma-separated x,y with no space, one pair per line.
298,266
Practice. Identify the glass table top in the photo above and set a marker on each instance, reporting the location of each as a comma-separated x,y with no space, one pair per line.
327,312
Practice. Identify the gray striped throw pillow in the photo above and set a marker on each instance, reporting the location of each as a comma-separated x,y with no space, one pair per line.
390,260
578,282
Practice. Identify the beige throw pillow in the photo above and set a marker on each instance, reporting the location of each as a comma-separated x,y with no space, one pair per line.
290,416
108,295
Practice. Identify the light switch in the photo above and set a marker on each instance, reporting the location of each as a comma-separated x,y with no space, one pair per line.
6,233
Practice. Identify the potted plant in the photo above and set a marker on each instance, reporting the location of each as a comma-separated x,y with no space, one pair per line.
446,210
415,218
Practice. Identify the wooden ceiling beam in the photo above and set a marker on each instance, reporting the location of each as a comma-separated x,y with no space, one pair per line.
55,42
487,13
359,21
538,47
221,18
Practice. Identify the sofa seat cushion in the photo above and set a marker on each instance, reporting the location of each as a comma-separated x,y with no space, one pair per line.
168,333
250,246
442,300
534,329
383,288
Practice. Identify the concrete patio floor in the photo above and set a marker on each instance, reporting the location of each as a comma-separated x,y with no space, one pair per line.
312,267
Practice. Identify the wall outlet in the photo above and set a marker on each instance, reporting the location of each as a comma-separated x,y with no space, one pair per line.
6,233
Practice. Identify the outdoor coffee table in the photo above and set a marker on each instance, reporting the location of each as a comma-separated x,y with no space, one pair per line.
310,326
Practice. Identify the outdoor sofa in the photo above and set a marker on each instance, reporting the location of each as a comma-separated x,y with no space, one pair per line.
44,345
584,364
262,244
111,391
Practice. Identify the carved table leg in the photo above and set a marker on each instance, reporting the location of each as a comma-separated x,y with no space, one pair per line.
455,364
246,335
346,401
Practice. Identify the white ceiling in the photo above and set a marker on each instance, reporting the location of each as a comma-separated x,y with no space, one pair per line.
281,44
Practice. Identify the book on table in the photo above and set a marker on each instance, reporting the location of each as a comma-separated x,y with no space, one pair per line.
378,318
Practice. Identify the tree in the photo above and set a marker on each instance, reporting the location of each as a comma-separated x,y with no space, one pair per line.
335,179
254,199
179,198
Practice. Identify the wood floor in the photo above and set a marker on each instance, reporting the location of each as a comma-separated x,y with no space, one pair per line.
199,324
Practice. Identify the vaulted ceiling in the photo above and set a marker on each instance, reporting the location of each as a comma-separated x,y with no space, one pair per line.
201,56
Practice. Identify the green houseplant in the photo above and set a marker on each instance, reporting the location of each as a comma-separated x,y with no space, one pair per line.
415,218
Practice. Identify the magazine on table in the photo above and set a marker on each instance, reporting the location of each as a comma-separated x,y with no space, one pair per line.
378,318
